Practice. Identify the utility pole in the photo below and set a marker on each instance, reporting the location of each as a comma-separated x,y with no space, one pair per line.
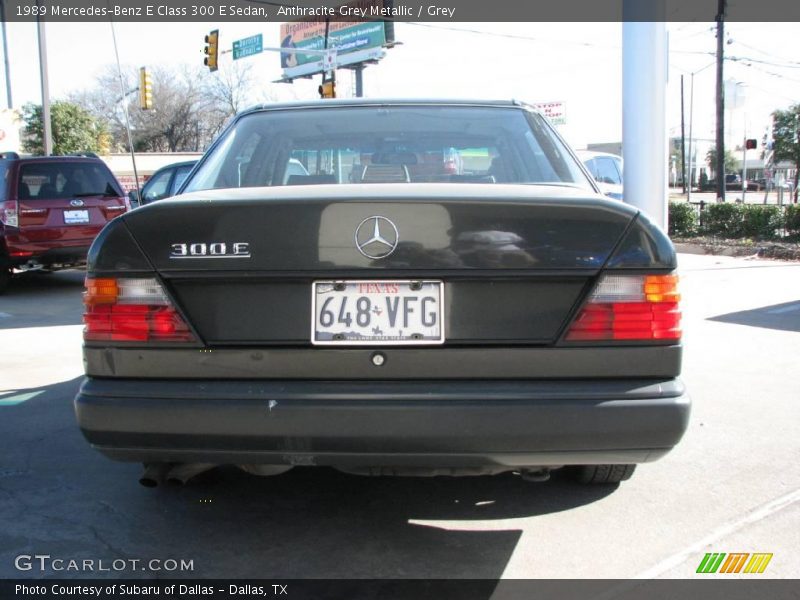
744,160
359,71
691,141
125,110
692,145
333,72
720,166
47,130
5,54
683,142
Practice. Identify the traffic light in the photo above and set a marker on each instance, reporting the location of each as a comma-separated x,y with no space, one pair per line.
751,144
327,89
145,90
212,50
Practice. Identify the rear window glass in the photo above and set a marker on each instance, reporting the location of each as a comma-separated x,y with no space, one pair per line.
180,176
156,187
396,144
65,180
3,179
607,171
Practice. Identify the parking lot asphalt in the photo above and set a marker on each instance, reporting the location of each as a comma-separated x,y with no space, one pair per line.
732,485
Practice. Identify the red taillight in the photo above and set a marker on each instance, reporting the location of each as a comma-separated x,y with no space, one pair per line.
10,213
132,310
630,307
113,211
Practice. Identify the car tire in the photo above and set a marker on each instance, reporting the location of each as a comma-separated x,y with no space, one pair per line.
604,474
5,278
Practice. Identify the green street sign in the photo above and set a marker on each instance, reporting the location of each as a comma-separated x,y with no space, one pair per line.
248,46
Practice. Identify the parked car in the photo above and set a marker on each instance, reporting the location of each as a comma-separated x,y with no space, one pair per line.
733,182
410,325
606,169
164,183
784,184
51,208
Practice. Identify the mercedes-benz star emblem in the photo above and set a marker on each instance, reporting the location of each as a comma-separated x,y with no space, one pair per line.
376,237
76,202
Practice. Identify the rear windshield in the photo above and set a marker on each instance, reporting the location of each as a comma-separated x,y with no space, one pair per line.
39,181
3,179
399,144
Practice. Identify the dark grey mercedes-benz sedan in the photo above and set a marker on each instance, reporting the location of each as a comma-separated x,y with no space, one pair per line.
386,287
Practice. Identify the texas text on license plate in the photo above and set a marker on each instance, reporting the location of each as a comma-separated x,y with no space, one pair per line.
377,312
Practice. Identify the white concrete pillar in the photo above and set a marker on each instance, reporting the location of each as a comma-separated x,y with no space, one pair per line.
644,86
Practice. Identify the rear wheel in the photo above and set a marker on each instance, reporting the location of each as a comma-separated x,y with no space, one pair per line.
599,474
5,278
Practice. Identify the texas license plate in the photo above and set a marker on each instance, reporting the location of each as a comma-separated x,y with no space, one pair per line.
377,312
76,216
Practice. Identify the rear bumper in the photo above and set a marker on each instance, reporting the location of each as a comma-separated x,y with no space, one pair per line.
384,423
20,254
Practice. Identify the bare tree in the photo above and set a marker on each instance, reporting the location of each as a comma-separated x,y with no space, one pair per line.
190,105
230,90
104,102
230,87
176,119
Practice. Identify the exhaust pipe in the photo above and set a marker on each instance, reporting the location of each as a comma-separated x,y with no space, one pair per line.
154,474
535,475
182,472
31,266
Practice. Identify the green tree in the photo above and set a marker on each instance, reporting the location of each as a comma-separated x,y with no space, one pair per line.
730,160
73,129
786,139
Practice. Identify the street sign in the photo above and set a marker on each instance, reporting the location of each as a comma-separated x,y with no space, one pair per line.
248,46
329,60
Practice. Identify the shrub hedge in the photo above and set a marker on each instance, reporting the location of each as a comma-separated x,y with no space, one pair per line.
682,219
792,219
734,220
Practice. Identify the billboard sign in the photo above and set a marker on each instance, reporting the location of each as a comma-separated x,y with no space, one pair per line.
556,112
355,42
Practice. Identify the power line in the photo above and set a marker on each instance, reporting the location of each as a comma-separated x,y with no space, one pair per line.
695,52
762,70
765,62
744,61
765,53
513,36
706,29
770,92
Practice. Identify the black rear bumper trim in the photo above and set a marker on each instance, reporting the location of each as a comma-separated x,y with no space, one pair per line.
420,423
453,363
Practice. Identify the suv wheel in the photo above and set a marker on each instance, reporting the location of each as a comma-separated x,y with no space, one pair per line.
594,474
5,278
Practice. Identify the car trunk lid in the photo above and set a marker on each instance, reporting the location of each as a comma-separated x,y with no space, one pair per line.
514,260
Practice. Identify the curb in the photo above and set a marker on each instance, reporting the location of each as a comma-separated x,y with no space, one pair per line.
684,248
760,251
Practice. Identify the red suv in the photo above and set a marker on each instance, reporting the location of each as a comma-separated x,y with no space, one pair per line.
51,208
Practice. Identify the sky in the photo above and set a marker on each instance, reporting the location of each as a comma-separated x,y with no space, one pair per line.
579,64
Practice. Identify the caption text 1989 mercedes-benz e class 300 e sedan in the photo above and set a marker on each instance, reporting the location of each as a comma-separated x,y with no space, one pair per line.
387,287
